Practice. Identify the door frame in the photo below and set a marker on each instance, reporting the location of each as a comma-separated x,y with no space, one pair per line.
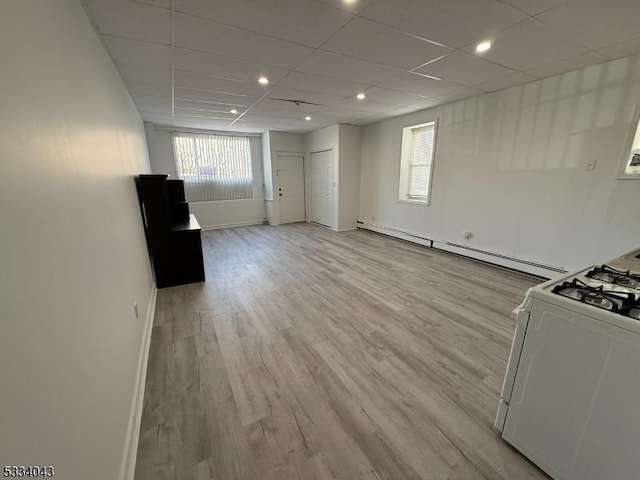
334,184
276,184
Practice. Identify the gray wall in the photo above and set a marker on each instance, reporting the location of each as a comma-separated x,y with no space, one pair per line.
74,258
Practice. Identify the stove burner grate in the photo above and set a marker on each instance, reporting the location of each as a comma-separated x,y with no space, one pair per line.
618,277
596,296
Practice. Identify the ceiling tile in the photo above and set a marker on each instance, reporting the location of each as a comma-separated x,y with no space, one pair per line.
412,109
566,65
185,112
211,37
596,23
205,106
149,99
157,3
455,95
144,74
350,6
144,100
319,98
204,123
307,22
264,110
150,88
506,82
286,108
347,68
223,67
317,83
376,43
534,7
392,97
369,120
215,84
131,20
214,97
529,45
419,85
619,50
160,109
350,106
464,69
454,23
139,52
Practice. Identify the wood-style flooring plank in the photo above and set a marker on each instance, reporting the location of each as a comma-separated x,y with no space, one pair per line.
315,355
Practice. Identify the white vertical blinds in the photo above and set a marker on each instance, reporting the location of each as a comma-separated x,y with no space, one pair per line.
420,161
213,167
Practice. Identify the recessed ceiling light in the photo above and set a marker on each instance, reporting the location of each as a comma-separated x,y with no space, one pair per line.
361,96
307,118
483,47
263,80
234,111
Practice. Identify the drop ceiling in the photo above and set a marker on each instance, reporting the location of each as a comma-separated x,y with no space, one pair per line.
188,63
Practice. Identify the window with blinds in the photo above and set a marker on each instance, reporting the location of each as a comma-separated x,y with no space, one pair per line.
416,163
213,167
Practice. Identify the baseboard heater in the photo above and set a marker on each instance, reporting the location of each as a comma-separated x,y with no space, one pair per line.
507,261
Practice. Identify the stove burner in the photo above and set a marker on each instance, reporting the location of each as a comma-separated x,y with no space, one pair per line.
596,296
617,277
633,312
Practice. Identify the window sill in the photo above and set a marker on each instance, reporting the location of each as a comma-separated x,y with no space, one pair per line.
415,202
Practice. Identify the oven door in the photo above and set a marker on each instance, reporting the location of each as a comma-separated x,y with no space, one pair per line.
521,316
573,410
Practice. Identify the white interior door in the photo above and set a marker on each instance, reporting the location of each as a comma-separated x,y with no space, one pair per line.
291,188
322,187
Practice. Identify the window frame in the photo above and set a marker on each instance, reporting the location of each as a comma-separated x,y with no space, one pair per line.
406,153
634,129
202,187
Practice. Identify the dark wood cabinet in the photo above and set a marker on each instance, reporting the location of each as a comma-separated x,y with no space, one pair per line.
172,233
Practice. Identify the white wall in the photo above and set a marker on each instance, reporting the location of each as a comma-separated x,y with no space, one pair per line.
272,143
510,167
73,258
349,154
216,214
345,142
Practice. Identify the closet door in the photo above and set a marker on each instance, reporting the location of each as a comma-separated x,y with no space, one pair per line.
322,187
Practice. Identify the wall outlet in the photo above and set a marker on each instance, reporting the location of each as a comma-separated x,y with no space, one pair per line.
135,309
467,235
590,165
373,218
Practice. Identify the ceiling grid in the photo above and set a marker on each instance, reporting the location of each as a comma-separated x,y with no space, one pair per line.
188,63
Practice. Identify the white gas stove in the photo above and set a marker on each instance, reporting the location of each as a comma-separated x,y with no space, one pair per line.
571,395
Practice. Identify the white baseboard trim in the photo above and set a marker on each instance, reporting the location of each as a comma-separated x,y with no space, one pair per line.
513,263
392,232
347,229
128,464
231,225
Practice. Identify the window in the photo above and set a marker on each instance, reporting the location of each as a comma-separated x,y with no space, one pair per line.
630,167
416,163
213,167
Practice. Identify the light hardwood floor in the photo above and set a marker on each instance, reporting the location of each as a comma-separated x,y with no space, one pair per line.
310,354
